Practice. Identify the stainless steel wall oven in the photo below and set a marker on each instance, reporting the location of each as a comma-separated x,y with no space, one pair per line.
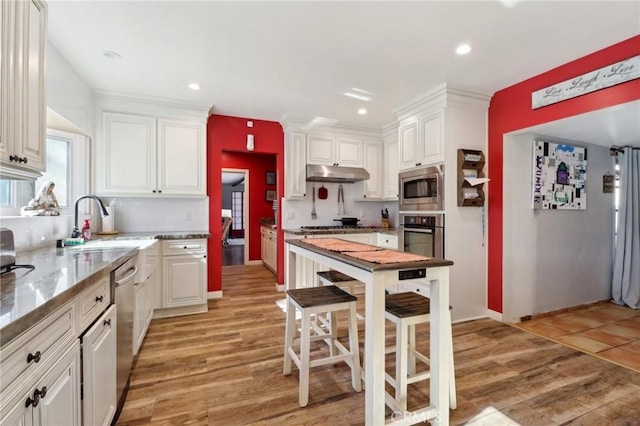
422,234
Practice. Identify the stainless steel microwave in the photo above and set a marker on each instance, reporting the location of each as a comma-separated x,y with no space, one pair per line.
422,189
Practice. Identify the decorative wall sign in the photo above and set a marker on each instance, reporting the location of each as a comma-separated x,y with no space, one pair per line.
617,73
559,176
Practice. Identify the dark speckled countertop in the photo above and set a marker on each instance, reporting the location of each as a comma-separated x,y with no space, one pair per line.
331,231
60,274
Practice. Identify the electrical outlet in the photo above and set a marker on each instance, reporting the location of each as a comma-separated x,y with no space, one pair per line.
187,217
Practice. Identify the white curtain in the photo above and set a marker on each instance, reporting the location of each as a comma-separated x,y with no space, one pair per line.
625,285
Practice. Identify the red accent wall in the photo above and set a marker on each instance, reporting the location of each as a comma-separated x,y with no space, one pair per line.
225,136
258,165
510,110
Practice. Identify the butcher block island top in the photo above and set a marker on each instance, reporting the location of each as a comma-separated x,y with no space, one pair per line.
367,257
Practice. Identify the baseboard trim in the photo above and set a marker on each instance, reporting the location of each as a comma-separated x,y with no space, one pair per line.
494,315
214,294
253,262
179,311
279,287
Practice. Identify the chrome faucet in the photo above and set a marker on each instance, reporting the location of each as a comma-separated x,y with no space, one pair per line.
76,231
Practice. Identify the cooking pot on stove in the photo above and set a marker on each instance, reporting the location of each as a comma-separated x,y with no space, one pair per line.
348,221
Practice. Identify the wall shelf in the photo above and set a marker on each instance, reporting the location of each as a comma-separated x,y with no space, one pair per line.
470,165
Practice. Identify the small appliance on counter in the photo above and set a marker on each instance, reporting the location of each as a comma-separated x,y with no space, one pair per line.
8,252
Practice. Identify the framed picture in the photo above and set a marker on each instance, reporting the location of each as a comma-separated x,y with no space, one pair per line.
270,195
270,178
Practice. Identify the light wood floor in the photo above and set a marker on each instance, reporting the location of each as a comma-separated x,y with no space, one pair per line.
225,368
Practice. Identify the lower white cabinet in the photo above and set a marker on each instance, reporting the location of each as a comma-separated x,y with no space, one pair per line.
99,370
144,294
52,399
184,273
269,248
387,241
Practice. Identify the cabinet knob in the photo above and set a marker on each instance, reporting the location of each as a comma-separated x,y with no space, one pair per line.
154,191
40,393
99,298
184,247
34,357
107,322
204,257
159,191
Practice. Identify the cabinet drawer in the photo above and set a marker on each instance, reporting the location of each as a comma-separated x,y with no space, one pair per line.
181,247
93,301
37,347
388,241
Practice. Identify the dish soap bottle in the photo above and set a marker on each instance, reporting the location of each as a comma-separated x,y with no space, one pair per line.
86,230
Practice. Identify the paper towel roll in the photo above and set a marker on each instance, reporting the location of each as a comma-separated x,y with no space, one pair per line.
108,221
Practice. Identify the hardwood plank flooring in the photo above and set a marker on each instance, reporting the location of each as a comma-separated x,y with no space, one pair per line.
224,367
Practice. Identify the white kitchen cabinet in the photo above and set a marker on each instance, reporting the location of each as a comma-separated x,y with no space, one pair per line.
181,158
51,399
99,354
387,240
269,254
184,273
332,151
146,156
22,91
421,140
372,187
390,173
295,172
145,295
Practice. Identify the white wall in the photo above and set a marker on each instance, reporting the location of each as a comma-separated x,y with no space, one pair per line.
465,245
67,93
554,259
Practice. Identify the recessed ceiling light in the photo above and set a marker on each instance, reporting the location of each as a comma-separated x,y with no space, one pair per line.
111,54
194,86
362,111
358,96
463,49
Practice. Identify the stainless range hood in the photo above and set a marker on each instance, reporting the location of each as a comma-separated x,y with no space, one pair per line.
317,173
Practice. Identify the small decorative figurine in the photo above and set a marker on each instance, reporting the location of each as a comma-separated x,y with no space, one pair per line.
44,203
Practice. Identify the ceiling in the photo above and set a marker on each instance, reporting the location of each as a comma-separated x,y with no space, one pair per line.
265,60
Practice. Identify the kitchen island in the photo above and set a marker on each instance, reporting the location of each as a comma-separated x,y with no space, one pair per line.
427,277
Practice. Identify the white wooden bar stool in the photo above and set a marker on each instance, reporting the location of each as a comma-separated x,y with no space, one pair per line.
406,310
315,300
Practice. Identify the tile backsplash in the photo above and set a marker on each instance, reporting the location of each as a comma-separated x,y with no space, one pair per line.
130,214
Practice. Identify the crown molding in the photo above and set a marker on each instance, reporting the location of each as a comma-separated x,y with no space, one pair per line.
442,96
151,100
298,124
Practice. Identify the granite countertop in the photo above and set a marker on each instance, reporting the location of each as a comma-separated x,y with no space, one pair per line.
60,274
370,266
333,231
159,235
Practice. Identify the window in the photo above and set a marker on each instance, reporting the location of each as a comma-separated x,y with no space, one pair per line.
236,210
65,152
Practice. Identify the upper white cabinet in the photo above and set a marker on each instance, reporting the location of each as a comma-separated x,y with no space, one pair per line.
421,140
22,89
147,156
372,187
295,155
332,151
390,182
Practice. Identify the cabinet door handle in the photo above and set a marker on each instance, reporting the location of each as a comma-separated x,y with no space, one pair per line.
40,393
99,298
107,322
24,160
30,401
34,357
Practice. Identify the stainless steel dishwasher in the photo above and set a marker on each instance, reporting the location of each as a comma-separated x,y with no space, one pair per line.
122,282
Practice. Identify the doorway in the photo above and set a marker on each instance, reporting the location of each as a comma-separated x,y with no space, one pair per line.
235,203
